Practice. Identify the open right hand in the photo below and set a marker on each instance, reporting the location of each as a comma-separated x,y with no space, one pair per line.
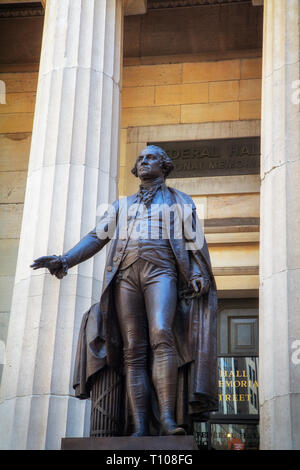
52,263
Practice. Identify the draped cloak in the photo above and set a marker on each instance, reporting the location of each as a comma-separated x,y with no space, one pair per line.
194,328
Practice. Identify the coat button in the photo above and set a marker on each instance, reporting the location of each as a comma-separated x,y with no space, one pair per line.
109,268
115,259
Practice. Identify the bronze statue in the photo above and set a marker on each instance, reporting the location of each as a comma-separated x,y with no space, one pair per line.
157,312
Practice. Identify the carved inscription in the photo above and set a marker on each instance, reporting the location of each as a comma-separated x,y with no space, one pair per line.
216,157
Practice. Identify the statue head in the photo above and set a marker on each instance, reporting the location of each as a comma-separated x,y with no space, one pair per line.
151,163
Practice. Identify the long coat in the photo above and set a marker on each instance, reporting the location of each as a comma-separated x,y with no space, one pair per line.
100,343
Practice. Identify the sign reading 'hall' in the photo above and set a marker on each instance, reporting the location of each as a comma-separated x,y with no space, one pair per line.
215,157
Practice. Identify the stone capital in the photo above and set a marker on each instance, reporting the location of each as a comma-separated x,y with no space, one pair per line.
135,7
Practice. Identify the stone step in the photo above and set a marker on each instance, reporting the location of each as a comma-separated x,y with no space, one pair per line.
130,443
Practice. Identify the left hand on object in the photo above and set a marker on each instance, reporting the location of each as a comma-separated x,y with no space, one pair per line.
200,286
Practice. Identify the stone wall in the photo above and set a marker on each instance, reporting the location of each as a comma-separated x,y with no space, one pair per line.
16,118
188,93
223,30
21,31
194,101
153,95
212,91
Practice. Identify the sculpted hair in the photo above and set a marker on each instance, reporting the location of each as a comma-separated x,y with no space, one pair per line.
167,164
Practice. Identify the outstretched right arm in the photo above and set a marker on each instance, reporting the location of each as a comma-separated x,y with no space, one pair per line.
88,246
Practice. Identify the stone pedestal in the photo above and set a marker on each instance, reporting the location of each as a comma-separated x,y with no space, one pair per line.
130,443
279,347
73,168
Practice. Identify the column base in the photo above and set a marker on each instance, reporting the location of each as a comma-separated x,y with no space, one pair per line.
129,443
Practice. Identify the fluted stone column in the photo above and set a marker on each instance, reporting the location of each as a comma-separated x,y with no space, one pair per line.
73,168
280,229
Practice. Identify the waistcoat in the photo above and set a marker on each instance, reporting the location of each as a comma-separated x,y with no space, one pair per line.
148,237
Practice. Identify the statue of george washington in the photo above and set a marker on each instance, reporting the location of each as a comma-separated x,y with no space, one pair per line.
157,314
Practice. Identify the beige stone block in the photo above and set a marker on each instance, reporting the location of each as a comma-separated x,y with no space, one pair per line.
224,91
121,182
237,283
10,220
150,116
12,186
194,131
251,68
127,179
123,143
211,71
133,97
250,109
13,123
232,238
250,89
181,94
217,184
201,206
237,205
236,271
145,75
210,112
132,152
20,82
130,184
15,150
8,256
234,256
18,103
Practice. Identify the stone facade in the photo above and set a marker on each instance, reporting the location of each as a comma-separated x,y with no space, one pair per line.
187,75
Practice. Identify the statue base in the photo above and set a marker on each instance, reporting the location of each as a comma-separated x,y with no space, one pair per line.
129,443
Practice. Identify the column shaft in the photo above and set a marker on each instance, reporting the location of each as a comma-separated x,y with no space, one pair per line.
280,229
73,168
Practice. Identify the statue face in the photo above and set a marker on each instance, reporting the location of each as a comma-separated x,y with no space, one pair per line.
148,164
